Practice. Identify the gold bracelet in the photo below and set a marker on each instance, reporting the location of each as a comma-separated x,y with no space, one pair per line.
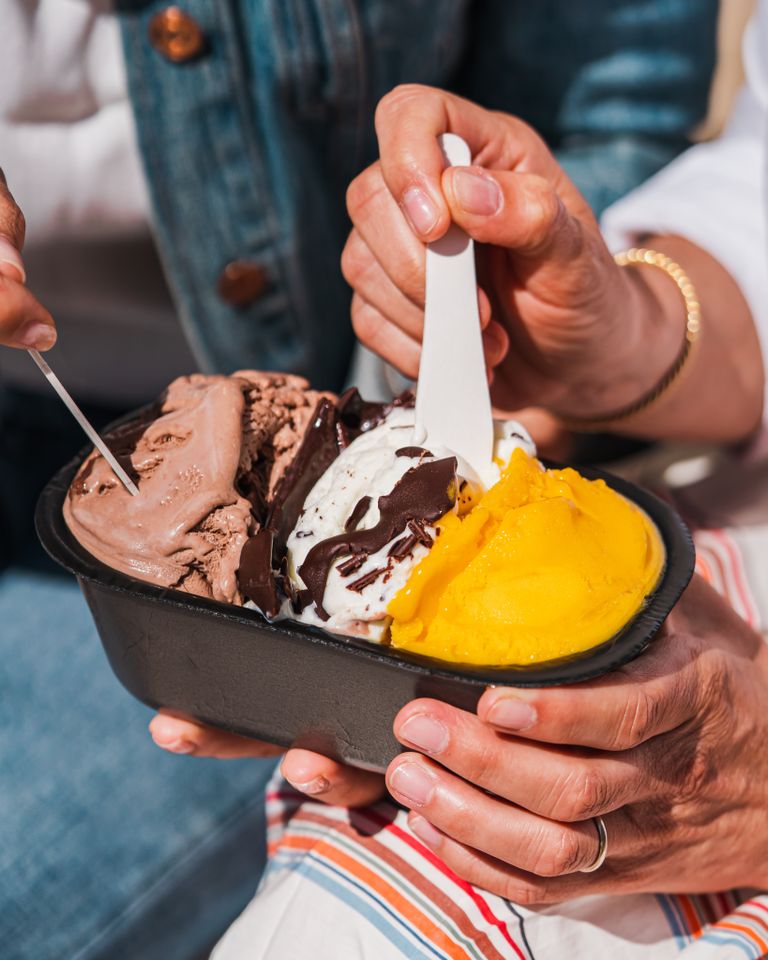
638,257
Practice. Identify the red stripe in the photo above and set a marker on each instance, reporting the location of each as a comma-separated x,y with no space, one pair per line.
722,900
436,862
750,916
688,911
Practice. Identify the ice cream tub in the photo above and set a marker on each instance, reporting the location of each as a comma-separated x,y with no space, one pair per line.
295,684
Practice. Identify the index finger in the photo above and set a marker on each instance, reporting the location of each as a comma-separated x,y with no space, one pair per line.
653,695
409,120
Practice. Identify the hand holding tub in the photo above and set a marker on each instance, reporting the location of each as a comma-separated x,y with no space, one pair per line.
664,750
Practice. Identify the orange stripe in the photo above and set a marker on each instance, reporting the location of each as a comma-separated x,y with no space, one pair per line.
400,903
745,931
444,903
703,567
692,918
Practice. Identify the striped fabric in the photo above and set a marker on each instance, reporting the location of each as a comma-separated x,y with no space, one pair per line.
358,885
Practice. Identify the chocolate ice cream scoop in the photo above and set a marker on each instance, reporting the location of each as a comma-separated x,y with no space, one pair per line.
206,460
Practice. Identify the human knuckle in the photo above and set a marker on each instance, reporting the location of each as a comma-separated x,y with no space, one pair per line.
363,190
485,763
365,320
355,260
398,97
543,854
581,794
525,894
563,854
543,205
641,718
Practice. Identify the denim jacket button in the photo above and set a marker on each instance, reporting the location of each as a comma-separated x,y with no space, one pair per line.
176,35
241,282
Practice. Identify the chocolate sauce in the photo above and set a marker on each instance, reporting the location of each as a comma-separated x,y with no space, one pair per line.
333,427
424,493
415,452
359,511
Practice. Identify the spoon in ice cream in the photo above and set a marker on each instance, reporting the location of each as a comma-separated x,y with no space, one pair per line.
453,403
84,422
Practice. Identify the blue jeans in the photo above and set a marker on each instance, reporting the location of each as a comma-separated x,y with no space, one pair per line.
109,848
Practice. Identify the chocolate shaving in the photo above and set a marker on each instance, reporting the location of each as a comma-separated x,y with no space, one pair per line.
402,547
255,576
366,580
359,511
415,452
359,415
426,492
418,531
353,563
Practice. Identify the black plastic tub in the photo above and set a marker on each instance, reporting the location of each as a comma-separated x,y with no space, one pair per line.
292,684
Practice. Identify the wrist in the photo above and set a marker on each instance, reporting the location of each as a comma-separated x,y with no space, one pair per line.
645,332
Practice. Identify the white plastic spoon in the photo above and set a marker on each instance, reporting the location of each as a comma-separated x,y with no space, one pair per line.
453,403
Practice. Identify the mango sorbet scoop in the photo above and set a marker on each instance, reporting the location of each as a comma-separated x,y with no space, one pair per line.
547,564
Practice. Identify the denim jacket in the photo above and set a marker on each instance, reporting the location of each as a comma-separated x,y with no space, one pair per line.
249,146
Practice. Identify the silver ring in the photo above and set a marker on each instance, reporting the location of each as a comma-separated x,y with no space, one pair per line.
602,846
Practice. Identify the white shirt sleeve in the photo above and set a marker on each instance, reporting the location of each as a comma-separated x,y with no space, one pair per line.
714,194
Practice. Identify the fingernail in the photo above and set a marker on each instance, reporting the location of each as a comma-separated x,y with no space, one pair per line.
512,714
425,733
425,831
476,194
312,787
420,210
11,265
177,746
413,783
42,336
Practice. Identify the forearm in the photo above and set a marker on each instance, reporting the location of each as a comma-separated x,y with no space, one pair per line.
718,395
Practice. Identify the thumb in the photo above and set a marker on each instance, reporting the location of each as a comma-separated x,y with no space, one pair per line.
519,211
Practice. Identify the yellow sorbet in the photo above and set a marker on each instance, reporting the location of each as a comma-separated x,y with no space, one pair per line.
546,564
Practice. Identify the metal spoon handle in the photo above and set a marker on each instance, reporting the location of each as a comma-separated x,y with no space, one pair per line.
81,418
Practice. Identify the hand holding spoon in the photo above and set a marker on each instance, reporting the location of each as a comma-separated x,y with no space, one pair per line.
453,403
